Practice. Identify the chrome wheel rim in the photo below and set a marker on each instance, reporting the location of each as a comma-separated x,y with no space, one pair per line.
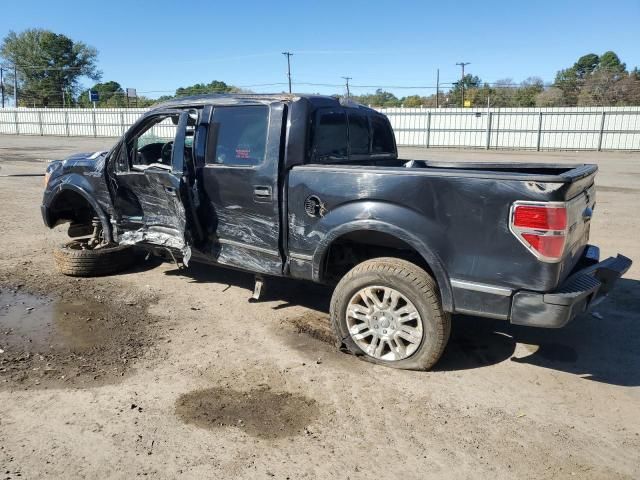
384,323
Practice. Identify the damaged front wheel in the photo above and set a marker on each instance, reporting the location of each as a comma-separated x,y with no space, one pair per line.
79,258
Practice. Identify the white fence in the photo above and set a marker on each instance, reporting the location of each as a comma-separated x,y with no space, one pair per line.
78,122
577,128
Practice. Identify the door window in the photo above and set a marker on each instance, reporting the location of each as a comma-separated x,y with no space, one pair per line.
153,145
240,135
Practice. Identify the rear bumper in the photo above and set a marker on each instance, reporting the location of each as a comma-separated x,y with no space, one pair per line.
587,286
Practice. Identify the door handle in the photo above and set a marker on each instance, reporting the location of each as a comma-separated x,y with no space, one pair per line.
262,192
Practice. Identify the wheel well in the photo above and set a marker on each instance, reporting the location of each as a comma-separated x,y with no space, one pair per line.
70,206
355,247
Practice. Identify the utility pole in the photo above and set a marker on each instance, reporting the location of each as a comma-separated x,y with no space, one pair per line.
288,55
62,89
438,88
15,84
348,91
462,64
2,85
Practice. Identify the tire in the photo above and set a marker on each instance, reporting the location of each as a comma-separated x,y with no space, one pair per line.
415,292
76,259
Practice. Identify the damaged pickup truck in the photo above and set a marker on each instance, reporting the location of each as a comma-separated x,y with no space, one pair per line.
310,188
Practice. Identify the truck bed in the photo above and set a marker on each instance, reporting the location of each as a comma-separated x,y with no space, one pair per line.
575,178
460,211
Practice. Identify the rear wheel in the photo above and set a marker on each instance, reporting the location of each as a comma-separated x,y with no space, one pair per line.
79,258
388,311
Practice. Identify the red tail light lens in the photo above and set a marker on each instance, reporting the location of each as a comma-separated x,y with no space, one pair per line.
551,246
540,218
542,228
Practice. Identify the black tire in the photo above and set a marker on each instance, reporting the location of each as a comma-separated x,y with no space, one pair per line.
76,259
412,282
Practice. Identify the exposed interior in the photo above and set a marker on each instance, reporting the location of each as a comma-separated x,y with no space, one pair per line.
153,144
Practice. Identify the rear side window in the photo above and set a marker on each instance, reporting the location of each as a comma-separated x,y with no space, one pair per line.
382,141
330,136
238,135
358,133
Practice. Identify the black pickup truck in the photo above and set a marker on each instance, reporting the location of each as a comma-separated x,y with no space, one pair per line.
312,188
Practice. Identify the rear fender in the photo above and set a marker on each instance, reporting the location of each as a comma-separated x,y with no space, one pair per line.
400,222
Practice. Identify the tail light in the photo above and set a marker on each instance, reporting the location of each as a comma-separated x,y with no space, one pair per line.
541,227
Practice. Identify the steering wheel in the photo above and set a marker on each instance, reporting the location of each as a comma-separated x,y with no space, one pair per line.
165,153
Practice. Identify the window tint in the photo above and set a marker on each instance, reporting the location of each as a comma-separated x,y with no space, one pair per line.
382,141
330,135
358,133
241,135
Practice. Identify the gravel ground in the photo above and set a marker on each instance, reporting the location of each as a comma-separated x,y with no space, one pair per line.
169,373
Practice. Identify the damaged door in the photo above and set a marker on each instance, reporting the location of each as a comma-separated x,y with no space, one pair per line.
240,171
150,185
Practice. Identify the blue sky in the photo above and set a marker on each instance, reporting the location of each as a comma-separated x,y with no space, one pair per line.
157,46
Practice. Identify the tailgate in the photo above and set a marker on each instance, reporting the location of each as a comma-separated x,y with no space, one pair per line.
579,212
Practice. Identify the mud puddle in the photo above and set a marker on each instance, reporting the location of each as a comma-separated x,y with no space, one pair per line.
72,336
259,412
316,325
31,322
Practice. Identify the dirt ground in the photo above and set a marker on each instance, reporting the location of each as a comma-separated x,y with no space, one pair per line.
164,373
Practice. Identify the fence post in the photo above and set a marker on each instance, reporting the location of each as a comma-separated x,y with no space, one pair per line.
95,127
15,119
40,122
122,123
428,128
489,115
66,122
539,130
601,131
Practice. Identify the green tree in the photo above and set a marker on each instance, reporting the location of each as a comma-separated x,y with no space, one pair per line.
610,62
380,98
586,65
412,101
48,64
592,80
525,94
110,94
470,83
215,86
551,97
502,93
568,83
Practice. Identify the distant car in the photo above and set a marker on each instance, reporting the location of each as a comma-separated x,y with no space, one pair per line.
310,188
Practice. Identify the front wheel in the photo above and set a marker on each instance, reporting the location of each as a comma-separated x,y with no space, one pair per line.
388,311
79,258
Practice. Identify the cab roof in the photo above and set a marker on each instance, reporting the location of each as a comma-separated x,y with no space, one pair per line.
316,101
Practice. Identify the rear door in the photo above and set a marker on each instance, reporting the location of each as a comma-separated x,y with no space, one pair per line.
240,208
149,183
